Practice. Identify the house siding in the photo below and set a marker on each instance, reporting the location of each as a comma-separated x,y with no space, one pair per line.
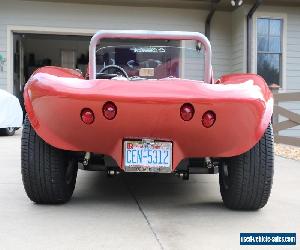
94,17
292,57
293,50
291,69
238,41
221,48
221,43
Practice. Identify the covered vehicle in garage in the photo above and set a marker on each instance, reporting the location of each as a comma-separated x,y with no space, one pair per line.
11,114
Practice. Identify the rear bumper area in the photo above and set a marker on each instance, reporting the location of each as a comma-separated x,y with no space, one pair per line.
148,109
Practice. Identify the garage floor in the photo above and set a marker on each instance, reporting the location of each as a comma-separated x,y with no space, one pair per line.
139,211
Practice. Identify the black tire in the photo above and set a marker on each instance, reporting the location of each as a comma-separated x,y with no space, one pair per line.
48,174
246,180
7,131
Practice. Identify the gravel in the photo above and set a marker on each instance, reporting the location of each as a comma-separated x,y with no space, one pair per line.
290,152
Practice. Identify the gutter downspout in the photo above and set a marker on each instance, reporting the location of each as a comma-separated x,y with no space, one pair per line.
249,33
211,13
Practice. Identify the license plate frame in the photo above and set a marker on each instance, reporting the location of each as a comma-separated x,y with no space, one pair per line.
161,162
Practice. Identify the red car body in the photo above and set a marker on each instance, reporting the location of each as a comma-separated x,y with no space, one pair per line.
243,104
119,119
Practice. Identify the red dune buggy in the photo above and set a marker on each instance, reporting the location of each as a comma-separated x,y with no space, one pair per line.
147,106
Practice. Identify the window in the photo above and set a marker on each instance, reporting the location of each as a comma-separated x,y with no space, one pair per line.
269,49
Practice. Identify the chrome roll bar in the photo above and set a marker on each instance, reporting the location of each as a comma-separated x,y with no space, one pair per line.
148,34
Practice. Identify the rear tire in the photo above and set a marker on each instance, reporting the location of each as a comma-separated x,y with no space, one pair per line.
246,179
48,174
7,131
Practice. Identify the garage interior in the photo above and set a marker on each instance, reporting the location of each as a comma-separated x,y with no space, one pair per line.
32,51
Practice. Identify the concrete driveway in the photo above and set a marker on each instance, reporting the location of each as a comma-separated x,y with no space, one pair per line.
139,211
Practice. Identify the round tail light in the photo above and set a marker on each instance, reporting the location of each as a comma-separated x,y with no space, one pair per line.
187,111
87,116
109,110
208,119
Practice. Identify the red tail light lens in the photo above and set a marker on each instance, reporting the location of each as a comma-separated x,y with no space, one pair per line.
109,110
208,119
87,116
187,111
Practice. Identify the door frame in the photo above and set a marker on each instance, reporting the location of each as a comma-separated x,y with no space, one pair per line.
11,29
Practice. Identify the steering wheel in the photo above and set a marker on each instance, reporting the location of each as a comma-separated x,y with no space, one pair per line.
117,69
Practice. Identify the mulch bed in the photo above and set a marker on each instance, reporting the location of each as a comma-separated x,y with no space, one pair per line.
287,151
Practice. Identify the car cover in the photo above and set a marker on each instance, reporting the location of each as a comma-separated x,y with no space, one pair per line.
11,114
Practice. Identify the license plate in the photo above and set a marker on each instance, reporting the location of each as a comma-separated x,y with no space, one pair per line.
148,156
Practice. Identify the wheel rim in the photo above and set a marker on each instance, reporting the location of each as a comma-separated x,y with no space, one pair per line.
225,175
70,172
